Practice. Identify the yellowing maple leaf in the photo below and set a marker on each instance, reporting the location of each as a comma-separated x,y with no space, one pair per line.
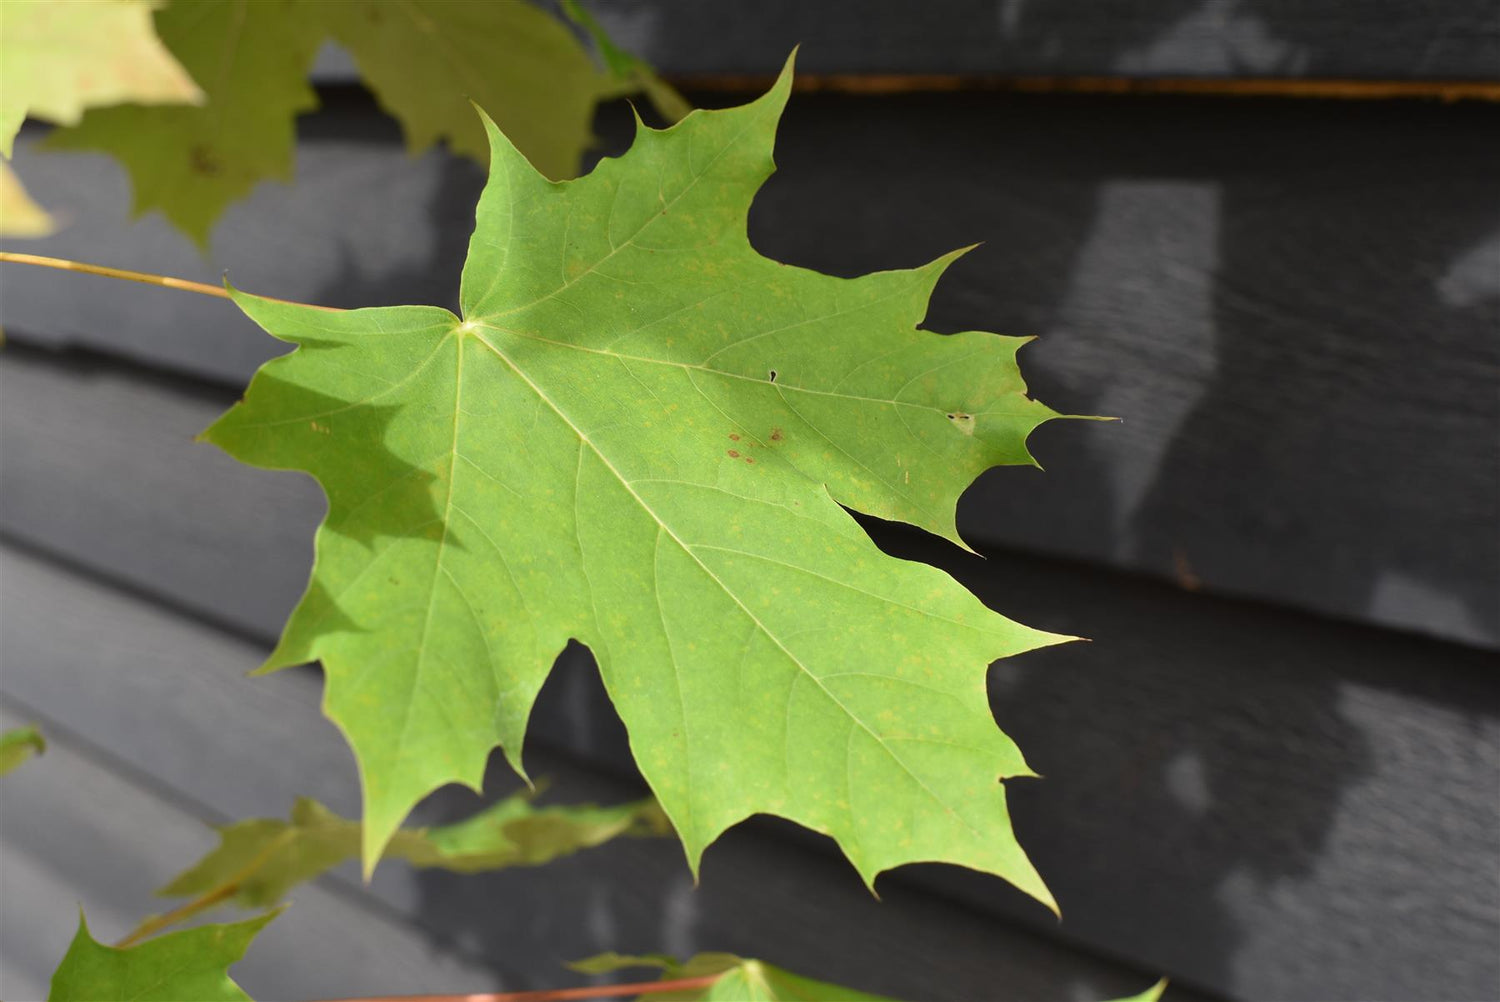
58,59
20,216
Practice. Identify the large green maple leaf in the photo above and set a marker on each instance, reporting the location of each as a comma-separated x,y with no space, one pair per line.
639,435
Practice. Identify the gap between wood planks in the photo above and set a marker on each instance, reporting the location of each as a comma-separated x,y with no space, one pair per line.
877,84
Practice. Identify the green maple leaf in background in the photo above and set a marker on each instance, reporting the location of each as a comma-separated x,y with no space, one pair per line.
19,744
191,964
57,59
259,860
740,979
424,60
639,436
427,59
251,57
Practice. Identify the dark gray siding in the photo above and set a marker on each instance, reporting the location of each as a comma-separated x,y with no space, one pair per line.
1385,39
1274,774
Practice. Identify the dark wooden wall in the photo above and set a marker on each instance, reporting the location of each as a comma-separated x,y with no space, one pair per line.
1275,774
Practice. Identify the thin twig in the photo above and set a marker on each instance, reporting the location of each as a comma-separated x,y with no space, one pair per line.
156,923
226,890
558,994
165,281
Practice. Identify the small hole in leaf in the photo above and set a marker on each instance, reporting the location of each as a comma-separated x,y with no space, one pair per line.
964,422
773,375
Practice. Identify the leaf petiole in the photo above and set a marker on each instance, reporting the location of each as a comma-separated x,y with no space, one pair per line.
164,281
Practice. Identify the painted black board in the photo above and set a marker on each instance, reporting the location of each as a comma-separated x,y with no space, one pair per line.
151,694
1294,306
1392,39
1267,804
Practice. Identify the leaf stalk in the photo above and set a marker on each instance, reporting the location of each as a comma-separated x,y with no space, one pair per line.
163,281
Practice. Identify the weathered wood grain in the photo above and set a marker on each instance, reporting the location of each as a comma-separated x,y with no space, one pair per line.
1295,308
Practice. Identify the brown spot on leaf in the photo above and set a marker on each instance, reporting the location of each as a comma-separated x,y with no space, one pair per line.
776,435
733,437
749,459
733,454
203,160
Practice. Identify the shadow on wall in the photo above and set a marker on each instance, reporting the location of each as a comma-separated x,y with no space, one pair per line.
1295,306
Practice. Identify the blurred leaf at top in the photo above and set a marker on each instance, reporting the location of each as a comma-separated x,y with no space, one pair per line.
424,60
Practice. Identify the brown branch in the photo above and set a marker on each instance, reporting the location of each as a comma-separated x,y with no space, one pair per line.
558,994
164,281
